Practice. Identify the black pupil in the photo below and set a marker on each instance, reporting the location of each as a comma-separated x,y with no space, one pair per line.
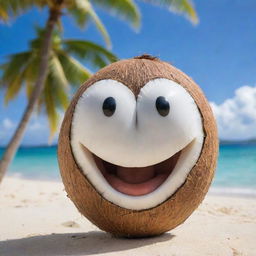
109,106
162,106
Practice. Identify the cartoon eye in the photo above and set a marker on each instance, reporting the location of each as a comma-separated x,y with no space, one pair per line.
109,106
162,106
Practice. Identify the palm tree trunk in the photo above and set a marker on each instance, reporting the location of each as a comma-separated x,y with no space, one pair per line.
15,141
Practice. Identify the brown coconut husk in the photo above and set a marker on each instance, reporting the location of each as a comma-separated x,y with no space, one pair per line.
135,73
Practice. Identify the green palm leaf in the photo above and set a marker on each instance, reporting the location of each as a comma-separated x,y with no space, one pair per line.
60,94
55,94
96,54
57,72
4,15
9,8
82,11
50,108
13,89
75,71
31,74
63,70
179,6
13,74
125,9
13,66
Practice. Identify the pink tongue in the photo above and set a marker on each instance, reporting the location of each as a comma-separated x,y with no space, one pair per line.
136,189
135,175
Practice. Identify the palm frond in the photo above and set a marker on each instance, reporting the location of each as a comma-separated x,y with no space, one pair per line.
125,9
11,8
4,15
63,70
94,53
50,108
80,17
57,72
61,97
82,11
75,72
15,85
59,93
179,6
13,66
13,88
14,73
54,97
99,25
31,75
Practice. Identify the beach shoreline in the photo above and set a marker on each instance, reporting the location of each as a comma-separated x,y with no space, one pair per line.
37,218
214,190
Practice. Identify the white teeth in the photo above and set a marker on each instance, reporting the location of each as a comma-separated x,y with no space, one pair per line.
120,140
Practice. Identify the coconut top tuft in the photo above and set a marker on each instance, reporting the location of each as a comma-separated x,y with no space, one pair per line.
147,56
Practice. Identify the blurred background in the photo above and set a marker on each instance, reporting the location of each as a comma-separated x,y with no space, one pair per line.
214,42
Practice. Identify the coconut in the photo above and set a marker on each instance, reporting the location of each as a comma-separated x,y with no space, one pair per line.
152,219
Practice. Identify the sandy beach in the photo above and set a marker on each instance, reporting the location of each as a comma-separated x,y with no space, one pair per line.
37,218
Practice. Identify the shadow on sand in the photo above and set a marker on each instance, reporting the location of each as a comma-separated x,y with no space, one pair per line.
74,244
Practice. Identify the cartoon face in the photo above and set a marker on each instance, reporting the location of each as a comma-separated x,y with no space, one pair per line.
138,147
136,151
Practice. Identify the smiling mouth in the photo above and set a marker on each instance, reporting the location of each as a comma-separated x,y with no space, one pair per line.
135,181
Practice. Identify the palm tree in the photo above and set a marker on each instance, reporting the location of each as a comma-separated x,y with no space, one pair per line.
81,11
63,70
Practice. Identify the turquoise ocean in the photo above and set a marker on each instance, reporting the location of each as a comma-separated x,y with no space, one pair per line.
236,170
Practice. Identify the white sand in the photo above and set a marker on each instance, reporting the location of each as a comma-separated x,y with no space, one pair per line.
36,218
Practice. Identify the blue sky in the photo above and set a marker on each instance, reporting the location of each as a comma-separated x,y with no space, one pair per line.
219,54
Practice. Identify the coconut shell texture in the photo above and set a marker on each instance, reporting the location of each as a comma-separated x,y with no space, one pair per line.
135,73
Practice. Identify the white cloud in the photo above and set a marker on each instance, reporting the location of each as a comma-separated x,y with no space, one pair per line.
7,123
236,117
